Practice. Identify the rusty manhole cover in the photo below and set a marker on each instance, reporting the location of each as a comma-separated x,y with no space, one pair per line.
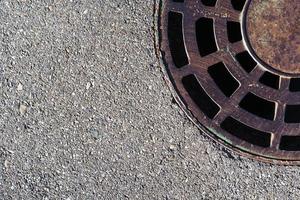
235,66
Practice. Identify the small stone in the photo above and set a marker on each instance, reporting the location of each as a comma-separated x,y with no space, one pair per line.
23,109
6,164
95,134
172,147
20,87
88,85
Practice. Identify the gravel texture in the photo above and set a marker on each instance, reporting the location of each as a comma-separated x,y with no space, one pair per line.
85,113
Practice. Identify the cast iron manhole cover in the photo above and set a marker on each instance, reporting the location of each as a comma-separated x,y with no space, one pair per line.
235,66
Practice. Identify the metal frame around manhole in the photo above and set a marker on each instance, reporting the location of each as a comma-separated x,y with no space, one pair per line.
221,85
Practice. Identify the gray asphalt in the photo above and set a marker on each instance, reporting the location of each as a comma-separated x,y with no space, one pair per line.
85,113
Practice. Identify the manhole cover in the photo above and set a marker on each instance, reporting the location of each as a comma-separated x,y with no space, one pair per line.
235,66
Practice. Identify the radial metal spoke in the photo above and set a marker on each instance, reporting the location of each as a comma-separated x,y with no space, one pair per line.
253,117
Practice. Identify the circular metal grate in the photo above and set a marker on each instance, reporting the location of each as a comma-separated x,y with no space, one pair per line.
235,65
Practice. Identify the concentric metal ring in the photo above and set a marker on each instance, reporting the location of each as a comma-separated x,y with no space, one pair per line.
234,97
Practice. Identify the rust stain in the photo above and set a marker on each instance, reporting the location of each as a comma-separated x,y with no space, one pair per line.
274,33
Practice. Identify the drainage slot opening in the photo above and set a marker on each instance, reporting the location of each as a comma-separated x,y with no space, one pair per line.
200,97
179,1
290,143
238,4
205,36
292,114
223,78
246,133
295,85
176,39
246,61
234,31
258,106
270,80
210,3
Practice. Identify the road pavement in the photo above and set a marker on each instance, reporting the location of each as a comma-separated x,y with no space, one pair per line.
85,113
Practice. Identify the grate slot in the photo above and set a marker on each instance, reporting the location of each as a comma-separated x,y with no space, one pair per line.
238,4
246,133
205,36
292,114
176,39
234,31
294,85
223,78
200,97
246,61
271,80
258,106
211,3
290,143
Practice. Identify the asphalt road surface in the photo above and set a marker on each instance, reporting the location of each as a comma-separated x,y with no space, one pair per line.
85,113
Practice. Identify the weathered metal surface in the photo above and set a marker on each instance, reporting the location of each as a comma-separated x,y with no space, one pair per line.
224,88
274,33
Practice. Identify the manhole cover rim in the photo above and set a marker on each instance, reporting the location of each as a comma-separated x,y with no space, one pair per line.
214,134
